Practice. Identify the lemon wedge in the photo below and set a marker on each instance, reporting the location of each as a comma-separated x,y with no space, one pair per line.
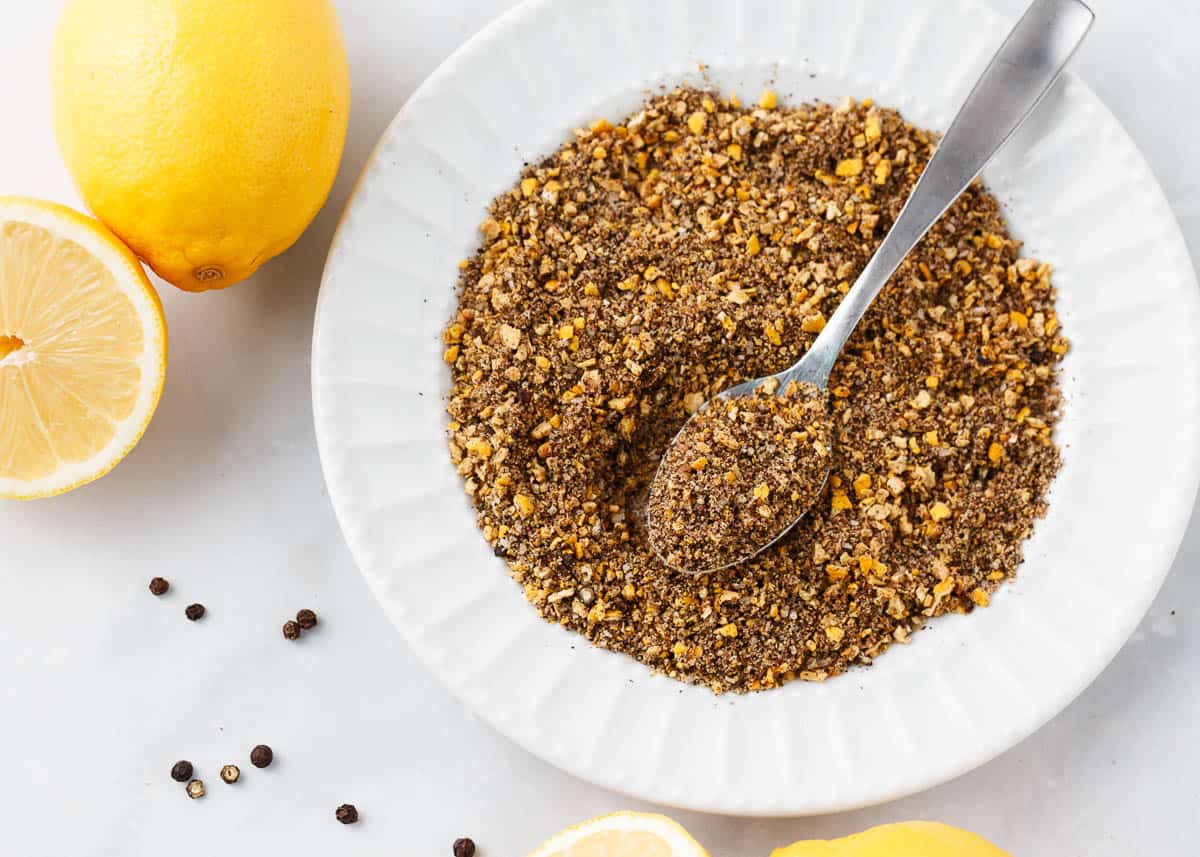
83,349
623,834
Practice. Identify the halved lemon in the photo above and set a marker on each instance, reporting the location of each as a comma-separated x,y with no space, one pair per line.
83,349
623,834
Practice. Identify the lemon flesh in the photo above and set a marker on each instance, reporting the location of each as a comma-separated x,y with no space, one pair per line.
82,349
623,834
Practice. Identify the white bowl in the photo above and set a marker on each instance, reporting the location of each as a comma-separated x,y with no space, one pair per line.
1075,188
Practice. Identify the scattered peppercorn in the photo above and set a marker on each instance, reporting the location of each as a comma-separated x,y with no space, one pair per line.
195,789
231,773
306,619
159,586
181,771
464,847
194,611
347,813
291,631
261,756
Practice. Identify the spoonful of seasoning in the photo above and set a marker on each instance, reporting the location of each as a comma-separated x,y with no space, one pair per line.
751,461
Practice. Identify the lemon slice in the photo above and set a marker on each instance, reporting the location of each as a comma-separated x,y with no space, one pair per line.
623,834
83,349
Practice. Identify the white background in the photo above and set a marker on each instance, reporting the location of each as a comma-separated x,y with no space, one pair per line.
104,686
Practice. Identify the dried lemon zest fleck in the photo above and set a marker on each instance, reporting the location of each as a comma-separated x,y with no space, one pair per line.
872,130
480,448
849,168
813,324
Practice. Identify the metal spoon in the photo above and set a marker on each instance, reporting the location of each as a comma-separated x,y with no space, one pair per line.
1019,75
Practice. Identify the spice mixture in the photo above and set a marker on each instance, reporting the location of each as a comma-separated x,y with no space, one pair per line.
645,267
741,471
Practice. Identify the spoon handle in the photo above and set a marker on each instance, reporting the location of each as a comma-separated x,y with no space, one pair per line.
1020,73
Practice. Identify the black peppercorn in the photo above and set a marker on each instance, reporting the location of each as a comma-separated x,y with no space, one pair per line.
261,756
464,847
159,586
306,619
194,611
291,631
347,814
181,771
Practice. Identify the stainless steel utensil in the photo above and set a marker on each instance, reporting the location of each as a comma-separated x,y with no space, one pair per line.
1016,79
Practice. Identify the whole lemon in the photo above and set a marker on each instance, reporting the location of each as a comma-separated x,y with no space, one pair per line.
205,133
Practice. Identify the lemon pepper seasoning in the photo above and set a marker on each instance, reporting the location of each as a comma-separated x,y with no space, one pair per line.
740,472
611,297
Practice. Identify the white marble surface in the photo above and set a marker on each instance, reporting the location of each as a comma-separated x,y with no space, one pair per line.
104,687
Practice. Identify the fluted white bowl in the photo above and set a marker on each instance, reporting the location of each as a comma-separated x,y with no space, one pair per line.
1074,187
